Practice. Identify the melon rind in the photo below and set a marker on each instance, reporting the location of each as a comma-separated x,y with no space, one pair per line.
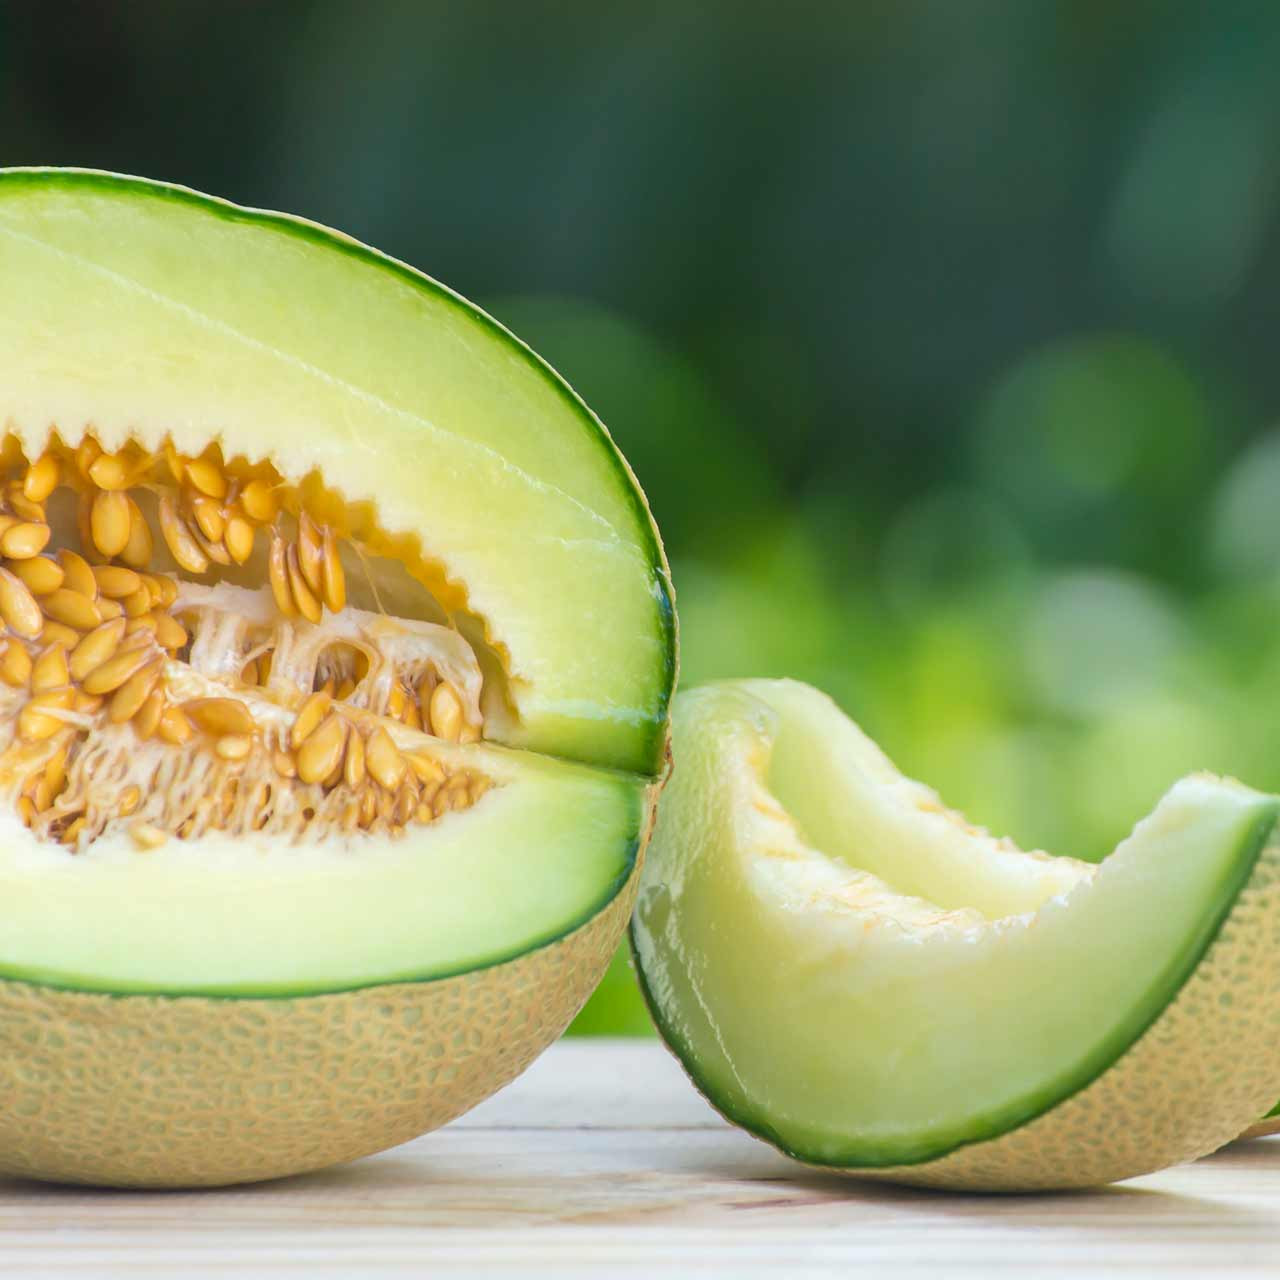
153,1091
1263,1128
1189,1079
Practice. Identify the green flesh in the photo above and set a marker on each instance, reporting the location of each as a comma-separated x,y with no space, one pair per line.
850,973
540,854
133,306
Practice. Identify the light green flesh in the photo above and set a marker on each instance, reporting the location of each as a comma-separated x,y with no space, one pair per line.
850,972
540,854
133,306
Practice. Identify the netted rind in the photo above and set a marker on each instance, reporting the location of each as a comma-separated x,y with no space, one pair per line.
189,1091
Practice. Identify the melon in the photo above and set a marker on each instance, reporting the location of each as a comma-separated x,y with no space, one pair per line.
862,978
337,649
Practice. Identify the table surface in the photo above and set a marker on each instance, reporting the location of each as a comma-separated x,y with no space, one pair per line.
602,1159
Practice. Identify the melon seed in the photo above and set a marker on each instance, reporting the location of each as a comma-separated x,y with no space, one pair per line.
18,606
259,502
182,545
208,517
384,762
60,633
278,573
170,634
34,722
334,578
109,521
310,551
321,753
78,574
140,547
109,471
303,596
49,670
96,648
115,581
115,671
71,608
15,665
353,766
207,477
41,478
446,713
22,506
174,727
147,720
238,539
24,540
310,714
39,575
127,700
220,715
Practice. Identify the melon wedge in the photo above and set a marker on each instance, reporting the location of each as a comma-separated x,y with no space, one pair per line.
856,975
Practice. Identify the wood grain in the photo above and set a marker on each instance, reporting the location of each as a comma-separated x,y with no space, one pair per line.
602,1160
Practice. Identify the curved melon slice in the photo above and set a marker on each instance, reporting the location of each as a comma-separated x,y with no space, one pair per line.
147,310
854,974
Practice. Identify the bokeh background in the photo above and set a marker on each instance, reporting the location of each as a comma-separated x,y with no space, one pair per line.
943,337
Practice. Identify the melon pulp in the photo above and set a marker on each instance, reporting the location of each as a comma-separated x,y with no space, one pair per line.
856,975
333,691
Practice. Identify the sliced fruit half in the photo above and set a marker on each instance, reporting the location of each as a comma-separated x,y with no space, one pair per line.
335,657
856,975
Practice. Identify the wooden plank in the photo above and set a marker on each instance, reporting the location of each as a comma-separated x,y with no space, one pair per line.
602,1159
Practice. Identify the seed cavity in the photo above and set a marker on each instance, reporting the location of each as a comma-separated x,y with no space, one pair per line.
132,698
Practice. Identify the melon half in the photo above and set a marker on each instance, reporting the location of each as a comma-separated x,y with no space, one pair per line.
338,645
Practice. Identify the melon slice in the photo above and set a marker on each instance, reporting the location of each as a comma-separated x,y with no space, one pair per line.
336,652
858,976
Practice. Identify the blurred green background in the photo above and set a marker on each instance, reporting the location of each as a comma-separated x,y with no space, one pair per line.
942,336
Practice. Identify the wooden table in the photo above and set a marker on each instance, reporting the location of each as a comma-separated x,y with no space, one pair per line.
602,1160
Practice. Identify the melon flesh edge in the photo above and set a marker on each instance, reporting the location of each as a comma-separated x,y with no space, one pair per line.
249,914
820,998
142,310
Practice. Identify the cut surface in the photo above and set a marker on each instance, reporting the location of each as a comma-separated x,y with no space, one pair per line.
548,846
186,763
141,311
301,558
336,643
858,976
